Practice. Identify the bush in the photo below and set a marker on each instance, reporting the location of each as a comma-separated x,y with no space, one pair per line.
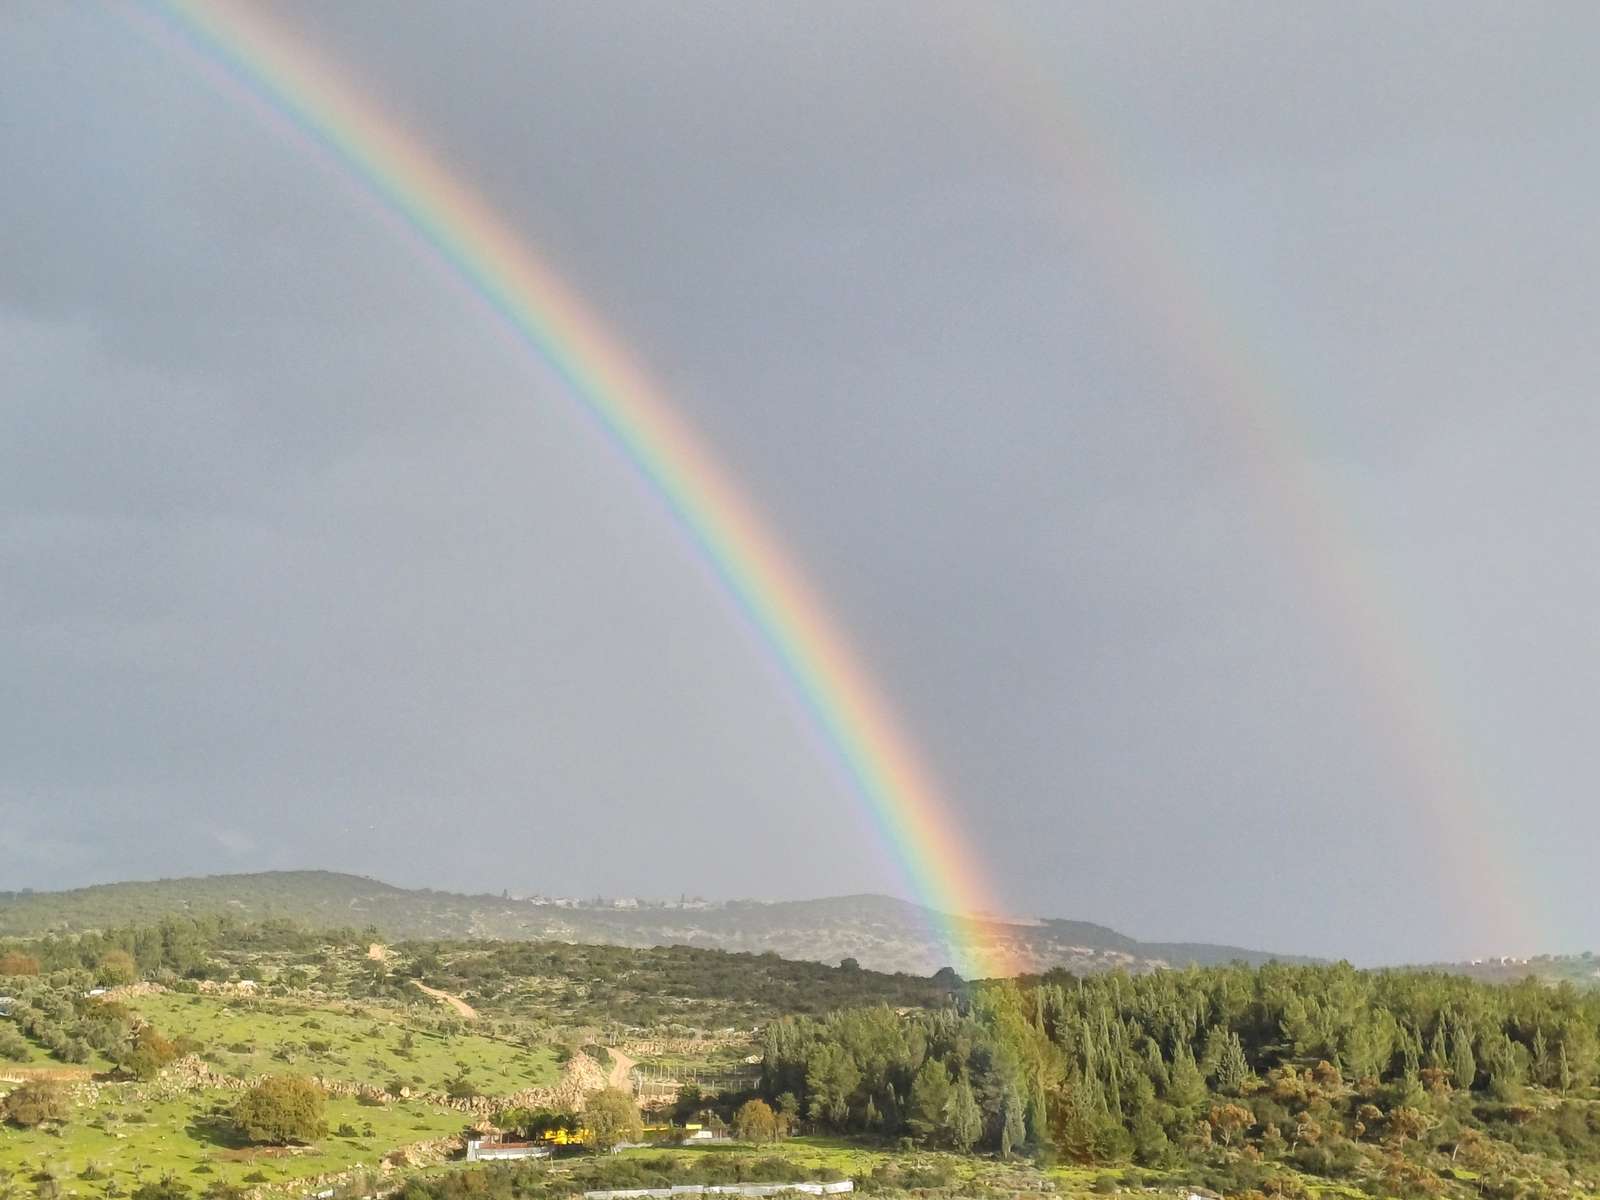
281,1109
148,1053
37,1102
13,1045
167,1188
117,967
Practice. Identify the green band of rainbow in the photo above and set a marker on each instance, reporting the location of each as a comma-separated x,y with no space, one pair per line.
456,223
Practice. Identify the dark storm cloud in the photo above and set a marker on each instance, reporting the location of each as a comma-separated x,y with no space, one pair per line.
302,566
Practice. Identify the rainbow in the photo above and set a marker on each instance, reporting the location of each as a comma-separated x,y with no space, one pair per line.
1472,840
483,251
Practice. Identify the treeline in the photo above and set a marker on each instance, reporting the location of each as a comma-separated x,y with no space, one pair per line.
645,987
184,946
1338,1071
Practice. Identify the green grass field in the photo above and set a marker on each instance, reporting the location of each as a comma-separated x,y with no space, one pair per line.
342,1041
129,1143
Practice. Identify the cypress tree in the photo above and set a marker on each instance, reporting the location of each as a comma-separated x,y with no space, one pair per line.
963,1123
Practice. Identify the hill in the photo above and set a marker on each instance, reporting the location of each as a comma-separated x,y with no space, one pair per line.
879,932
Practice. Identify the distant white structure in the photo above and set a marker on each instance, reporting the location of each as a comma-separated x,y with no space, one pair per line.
726,1189
481,1150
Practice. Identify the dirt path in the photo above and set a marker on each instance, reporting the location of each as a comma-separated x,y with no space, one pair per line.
456,1002
621,1065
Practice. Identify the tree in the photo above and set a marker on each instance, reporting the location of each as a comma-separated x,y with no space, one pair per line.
1406,1124
963,1120
930,1093
36,1102
1186,1087
1233,1068
1230,1119
691,1100
1013,1129
14,962
788,1113
755,1122
612,1117
117,967
281,1109
832,1080
1463,1065
147,1054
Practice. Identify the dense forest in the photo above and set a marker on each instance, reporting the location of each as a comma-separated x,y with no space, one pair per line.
1402,1080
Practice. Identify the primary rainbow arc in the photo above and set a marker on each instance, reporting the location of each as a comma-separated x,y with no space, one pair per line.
485,252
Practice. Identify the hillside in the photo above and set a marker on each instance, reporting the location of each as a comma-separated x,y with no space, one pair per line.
881,933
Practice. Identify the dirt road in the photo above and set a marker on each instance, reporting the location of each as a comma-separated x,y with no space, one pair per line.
456,1002
621,1065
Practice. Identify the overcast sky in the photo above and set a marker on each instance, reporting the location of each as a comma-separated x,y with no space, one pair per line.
302,565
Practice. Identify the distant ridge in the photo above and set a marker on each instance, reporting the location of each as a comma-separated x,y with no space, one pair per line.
879,932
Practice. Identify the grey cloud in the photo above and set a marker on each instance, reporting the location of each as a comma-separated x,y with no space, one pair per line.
302,566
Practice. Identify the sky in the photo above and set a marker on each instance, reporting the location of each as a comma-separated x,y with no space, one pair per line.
1186,409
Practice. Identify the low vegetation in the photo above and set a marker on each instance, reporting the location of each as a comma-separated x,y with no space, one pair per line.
232,1056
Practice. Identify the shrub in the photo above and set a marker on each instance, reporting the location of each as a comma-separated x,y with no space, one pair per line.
37,1102
12,1044
117,967
148,1053
755,1122
281,1109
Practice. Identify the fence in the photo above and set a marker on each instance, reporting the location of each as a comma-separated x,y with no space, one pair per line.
725,1189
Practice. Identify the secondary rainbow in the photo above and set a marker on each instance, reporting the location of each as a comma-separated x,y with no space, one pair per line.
1472,846
485,252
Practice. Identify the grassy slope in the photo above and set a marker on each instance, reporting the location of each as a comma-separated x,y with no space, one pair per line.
180,1136
364,1043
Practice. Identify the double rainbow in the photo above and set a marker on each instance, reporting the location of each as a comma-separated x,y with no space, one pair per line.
461,230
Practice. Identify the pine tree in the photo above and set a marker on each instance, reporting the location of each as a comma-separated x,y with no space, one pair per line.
930,1093
1013,1131
963,1123
1233,1068
1438,1058
1216,1046
1185,1086
1463,1066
